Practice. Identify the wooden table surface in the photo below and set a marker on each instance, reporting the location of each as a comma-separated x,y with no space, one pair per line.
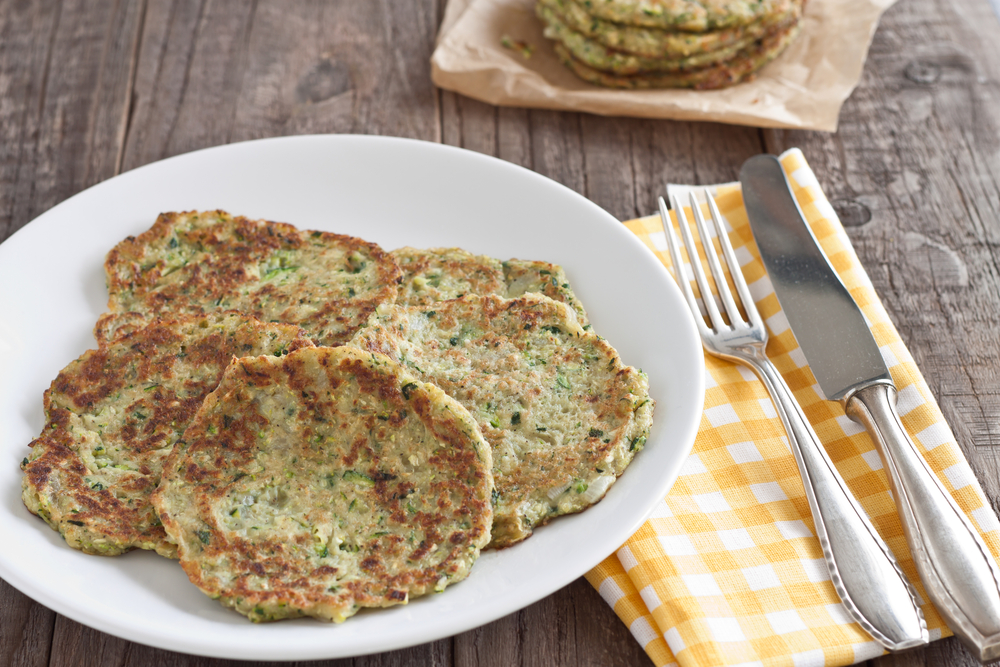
93,88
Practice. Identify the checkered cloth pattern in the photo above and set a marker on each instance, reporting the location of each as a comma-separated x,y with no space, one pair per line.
727,570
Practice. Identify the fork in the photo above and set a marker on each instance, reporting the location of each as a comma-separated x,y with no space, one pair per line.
863,571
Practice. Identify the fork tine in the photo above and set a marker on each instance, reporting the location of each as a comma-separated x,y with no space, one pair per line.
675,257
713,261
734,266
714,315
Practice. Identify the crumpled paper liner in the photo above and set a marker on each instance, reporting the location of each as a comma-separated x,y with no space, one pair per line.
803,88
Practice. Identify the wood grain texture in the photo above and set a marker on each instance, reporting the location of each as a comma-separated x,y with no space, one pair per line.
211,73
436,654
65,80
573,626
26,630
622,165
90,89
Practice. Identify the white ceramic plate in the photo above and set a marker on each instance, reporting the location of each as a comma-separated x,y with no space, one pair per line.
392,191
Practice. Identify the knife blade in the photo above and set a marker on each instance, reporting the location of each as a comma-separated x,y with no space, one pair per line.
959,573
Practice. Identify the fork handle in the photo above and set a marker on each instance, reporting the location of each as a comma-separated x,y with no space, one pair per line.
957,569
863,571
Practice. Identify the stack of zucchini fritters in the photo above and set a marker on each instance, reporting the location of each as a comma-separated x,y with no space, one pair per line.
642,44
313,425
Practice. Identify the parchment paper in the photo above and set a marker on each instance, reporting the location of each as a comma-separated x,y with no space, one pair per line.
803,88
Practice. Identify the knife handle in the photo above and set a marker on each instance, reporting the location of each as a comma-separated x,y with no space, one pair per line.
957,569
862,568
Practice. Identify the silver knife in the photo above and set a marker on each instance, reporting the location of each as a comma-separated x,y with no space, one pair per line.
958,571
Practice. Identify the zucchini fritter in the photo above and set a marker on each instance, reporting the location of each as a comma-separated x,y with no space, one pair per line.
594,54
325,481
660,43
201,261
439,274
683,15
562,413
113,416
742,67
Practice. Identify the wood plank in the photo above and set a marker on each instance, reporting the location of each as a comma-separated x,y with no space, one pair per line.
689,153
620,164
573,626
601,638
65,81
435,654
26,32
630,163
76,645
191,64
26,631
232,71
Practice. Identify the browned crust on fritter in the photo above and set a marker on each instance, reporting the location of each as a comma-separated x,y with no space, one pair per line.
660,43
525,275
115,325
102,524
223,254
439,274
682,15
743,67
269,579
72,479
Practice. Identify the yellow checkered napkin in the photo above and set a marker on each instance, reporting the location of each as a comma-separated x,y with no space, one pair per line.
728,569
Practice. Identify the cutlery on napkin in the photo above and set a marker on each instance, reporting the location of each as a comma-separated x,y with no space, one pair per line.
864,572
956,567
728,569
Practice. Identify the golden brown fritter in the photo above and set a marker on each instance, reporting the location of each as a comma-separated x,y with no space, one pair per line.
683,15
741,67
114,414
440,274
202,261
562,413
325,481
665,43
